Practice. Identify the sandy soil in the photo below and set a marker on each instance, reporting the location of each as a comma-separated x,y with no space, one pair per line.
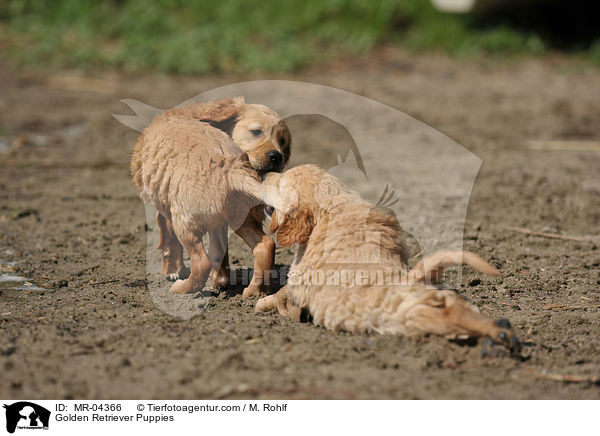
71,220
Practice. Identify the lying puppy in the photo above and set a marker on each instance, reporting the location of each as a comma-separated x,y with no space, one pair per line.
348,252
179,164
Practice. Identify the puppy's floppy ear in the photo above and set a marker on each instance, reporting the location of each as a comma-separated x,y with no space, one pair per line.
296,228
274,224
223,114
284,139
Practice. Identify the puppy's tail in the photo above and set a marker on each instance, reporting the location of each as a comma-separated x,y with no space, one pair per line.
431,269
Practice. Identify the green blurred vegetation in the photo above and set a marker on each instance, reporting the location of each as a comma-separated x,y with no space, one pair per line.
202,36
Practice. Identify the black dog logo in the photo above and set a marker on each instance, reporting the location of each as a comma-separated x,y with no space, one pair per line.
26,415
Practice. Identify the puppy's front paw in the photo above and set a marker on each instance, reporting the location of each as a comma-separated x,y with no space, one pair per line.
182,287
220,279
254,290
182,274
266,304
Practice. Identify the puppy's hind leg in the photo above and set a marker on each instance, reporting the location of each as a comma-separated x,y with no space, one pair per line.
218,253
201,264
445,313
171,250
164,238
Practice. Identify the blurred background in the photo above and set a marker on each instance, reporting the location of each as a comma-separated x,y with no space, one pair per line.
202,36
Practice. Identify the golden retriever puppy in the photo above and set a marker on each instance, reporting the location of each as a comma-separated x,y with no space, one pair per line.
350,269
182,164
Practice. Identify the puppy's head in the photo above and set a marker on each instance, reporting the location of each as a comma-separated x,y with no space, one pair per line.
297,199
262,134
255,129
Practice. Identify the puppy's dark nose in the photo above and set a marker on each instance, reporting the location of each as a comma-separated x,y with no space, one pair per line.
269,210
275,158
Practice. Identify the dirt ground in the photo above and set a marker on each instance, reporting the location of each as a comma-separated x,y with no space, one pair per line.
87,327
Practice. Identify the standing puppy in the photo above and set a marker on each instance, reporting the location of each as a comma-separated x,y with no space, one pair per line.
350,269
179,165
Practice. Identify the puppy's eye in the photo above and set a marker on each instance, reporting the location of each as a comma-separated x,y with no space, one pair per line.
256,132
281,141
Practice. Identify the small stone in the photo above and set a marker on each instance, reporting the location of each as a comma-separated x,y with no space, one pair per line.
9,350
60,284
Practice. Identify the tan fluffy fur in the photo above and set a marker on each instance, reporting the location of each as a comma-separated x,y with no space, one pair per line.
198,165
338,231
